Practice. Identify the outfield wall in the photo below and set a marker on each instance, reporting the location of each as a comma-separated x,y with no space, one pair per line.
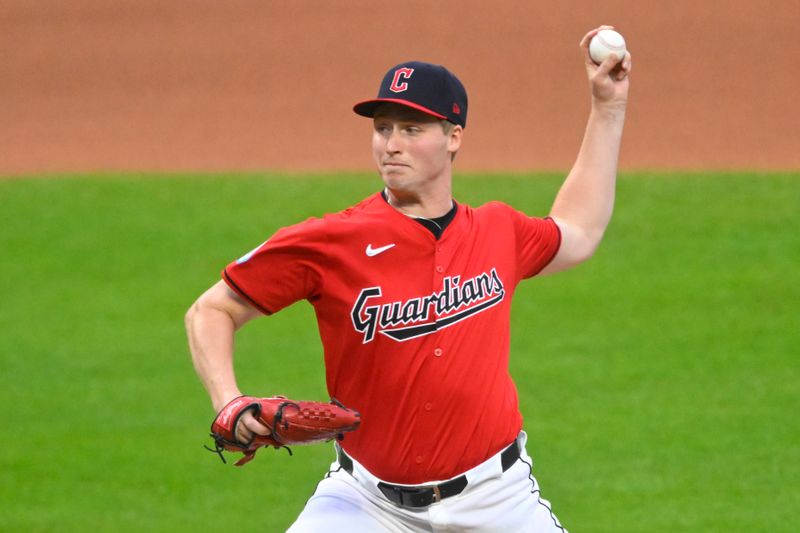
251,85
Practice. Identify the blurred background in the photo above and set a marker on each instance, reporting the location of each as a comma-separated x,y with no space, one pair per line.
144,145
254,84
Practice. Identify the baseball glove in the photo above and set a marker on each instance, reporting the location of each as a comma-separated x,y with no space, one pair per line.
290,422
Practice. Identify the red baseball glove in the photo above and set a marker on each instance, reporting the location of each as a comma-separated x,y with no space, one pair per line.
290,422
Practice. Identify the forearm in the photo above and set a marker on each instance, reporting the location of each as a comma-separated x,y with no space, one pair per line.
211,339
586,199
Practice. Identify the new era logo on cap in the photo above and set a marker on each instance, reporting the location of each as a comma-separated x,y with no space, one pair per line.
426,87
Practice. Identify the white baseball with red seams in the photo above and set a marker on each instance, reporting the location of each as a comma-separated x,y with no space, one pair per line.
605,43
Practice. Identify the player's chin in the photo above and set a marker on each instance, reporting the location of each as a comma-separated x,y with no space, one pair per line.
395,169
394,175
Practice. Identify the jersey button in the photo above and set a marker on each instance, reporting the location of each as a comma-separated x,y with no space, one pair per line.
437,352
428,406
419,459
440,269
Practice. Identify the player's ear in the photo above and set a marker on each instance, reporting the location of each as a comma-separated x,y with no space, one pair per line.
454,139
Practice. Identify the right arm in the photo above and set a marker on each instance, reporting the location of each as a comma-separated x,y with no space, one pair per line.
211,323
583,206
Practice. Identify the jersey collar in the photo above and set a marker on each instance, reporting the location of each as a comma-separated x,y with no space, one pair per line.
435,225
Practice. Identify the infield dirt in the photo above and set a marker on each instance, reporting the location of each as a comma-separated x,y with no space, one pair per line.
244,85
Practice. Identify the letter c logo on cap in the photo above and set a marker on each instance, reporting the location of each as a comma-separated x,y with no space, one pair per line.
404,73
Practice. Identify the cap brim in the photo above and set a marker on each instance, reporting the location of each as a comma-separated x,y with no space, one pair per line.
368,107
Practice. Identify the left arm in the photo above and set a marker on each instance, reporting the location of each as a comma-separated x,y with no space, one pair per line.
582,209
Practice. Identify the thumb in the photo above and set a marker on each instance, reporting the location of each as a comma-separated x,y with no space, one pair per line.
608,64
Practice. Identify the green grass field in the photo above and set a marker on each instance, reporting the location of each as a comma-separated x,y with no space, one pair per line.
660,381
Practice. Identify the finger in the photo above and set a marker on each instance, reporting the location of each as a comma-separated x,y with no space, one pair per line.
247,427
623,69
253,425
608,64
243,435
588,37
627,63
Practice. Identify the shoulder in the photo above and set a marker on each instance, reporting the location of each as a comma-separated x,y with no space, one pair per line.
494,207
369,215
502,210
370,206
493,211
505,218
333,222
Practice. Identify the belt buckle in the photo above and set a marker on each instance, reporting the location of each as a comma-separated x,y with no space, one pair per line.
412,497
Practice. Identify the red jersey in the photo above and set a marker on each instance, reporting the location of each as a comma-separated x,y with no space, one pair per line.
415,330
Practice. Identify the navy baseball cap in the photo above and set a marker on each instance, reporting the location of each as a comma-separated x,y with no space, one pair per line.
425,87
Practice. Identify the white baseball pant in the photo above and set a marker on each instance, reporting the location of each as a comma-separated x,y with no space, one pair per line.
493,501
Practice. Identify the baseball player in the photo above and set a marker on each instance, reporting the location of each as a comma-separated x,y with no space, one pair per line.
412,294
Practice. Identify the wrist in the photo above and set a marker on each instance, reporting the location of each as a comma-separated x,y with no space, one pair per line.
613,108
221,400
607,113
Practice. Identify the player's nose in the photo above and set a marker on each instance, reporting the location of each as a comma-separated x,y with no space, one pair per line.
393,141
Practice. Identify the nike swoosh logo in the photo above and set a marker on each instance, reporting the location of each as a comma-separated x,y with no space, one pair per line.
372,252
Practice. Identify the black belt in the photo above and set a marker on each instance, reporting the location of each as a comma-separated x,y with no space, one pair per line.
425,495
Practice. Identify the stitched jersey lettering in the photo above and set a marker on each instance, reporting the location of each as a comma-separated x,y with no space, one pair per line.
423,315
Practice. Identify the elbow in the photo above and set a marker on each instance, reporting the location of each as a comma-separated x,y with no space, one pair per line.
578,244
590,246
188,322
190,315
585,255
580,255
585,245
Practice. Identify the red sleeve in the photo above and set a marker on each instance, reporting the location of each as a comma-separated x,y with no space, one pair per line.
285,269
537,241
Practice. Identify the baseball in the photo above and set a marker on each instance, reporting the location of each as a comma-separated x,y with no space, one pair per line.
604,43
